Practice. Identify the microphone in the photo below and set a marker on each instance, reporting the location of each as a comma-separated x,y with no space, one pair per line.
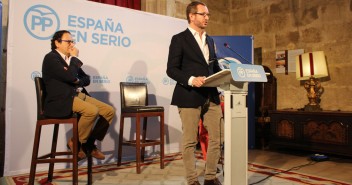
228,46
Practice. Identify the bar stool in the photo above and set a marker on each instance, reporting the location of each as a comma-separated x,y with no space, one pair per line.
134,104
50,157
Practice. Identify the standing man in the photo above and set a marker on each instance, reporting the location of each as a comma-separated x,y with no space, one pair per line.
191,59
64,80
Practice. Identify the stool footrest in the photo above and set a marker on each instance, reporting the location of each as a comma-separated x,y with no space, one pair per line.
142,144
55,160
55,154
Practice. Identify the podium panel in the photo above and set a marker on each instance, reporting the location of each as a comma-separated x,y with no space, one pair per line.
235,83
235,139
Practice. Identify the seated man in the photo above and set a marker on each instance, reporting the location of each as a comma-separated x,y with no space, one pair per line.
64,80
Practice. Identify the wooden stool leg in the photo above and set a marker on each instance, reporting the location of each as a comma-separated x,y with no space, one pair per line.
138,144
35,153
53,151
162,152
144,136
75,154
89,173
119,153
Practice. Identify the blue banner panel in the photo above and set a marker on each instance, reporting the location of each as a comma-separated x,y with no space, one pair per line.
239,47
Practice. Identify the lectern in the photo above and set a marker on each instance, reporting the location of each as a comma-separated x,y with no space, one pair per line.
234,82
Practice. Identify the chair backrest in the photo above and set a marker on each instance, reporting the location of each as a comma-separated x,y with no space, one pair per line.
133,94
265,95
40,91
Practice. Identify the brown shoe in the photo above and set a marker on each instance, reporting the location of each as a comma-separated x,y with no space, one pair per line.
212,182
96,153
81,154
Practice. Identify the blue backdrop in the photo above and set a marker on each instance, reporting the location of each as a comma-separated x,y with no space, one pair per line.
242,50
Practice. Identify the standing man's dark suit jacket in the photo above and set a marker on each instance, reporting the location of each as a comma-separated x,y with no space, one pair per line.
186,60
59,83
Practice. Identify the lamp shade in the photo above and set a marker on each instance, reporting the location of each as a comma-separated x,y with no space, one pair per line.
311,64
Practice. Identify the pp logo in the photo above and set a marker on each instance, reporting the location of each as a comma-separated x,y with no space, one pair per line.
166,81
241,73
129,79
41,22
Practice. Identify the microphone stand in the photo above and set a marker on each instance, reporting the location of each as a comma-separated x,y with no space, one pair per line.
227,46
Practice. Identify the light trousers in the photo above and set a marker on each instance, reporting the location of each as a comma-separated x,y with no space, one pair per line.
90,108
213,122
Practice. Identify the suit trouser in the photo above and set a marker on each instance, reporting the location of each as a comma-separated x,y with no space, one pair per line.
213,122
90,109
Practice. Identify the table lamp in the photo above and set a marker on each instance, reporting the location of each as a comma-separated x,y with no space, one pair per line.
310,67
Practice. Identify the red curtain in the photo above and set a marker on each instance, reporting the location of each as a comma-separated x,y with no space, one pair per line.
133,4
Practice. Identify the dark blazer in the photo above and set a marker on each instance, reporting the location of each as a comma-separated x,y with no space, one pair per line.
59,83
186,60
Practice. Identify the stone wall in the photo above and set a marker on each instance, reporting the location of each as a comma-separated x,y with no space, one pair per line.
313,25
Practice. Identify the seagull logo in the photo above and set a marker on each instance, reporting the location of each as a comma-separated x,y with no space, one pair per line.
241,72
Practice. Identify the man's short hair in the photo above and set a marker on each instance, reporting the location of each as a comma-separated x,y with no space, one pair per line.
57,36
192,8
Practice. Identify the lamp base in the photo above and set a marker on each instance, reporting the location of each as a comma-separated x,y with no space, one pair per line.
312,108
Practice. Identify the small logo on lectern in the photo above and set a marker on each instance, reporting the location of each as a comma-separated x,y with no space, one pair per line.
241,72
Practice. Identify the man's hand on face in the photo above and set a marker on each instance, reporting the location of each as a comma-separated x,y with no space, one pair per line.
74,52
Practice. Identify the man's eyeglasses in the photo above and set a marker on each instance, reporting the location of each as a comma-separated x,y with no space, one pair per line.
69,41
203,14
